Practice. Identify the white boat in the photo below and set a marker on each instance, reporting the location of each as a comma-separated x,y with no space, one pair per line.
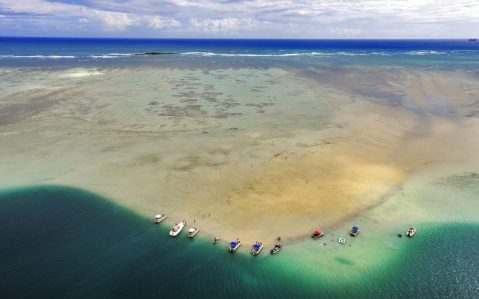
192,232
216,240
234,245
276,249
341,240
177,228
159,218
411,232
257,247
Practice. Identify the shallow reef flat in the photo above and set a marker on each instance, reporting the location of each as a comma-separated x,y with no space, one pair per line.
245,152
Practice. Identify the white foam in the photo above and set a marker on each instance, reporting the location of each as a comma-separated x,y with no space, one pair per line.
39,56
303,54
424,52
111,55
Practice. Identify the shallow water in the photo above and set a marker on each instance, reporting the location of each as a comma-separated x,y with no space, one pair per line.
65,242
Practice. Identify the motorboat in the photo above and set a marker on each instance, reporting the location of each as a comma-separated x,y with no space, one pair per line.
159,218
177,228
234,245
216,240
257,247
317,234
411,232
276,249
354,231
192,232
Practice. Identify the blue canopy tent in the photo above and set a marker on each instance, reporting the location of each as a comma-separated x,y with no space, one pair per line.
355,228
233,244
256,246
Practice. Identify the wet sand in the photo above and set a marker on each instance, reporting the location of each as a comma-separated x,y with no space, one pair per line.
247,153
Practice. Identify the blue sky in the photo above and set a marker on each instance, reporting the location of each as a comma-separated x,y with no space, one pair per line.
241,18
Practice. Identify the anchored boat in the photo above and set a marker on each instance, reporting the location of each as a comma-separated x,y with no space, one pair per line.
257,247
354,231
317,234
411,232
276,249
159,218
192,232
177,228
234,245
216,240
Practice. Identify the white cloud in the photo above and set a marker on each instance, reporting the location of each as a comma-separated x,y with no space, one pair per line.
221,25
158,22
115,20
268,18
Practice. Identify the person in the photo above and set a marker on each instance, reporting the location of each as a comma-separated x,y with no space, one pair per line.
279,238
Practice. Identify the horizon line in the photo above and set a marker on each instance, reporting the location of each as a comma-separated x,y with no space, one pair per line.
233,38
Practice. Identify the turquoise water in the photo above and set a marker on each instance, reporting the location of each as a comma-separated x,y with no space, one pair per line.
60,242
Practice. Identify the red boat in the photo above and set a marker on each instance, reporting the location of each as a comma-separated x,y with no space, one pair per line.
317,234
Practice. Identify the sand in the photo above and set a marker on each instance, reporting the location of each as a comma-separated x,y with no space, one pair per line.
247,153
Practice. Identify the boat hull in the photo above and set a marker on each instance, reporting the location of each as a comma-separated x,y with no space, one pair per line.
258,251
233,249
193,234
176,230
159,220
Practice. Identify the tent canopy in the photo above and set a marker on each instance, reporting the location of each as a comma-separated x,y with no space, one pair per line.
355,228
233,244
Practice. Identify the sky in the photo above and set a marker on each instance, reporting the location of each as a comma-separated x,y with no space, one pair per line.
241,18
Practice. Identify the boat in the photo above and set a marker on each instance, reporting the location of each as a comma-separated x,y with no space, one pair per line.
317,234
159,218
276,249
411,232
234,245
257,247
177,228
472,39
192,232
354,231
216,240
342,241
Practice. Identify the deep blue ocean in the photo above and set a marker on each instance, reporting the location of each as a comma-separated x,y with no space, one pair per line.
16,52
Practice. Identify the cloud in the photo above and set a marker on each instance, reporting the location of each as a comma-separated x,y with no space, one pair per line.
248,18
158,22
115,20
222,25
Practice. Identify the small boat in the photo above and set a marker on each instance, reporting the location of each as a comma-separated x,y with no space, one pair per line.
177,228
192,232
234,245
159,218
317,234
472,40
276,249
216,240
257,247
342,241
411,232
354,231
